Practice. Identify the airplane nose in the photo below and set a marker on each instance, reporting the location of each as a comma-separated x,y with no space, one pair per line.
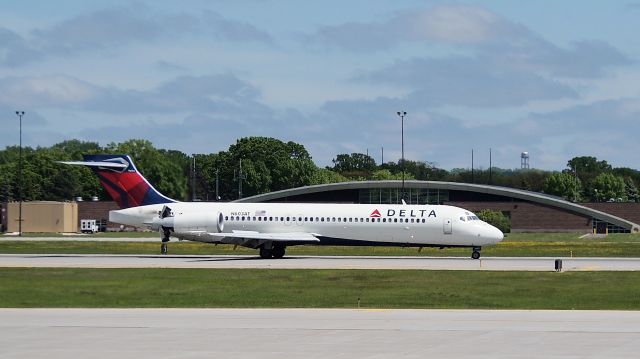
496,234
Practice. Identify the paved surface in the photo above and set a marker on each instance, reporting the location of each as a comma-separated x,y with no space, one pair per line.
80,238
321,333
314,262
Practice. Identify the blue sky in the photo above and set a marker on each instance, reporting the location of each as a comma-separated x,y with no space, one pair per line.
555,78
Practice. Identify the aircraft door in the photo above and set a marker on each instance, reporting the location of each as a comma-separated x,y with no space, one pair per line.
447,226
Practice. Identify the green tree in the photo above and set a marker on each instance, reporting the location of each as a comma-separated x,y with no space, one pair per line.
354,165
630,189
607,186
496,219
563,184
269,165
381,175
324,176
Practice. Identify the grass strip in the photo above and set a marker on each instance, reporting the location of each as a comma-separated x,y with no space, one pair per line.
95,288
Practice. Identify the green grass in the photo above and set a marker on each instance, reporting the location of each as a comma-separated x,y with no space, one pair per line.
53,287
514,245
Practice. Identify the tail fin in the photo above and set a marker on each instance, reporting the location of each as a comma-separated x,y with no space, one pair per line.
119,176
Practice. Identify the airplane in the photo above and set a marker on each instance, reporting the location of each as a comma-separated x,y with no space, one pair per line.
272,227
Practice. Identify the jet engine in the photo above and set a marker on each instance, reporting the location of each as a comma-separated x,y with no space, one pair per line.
197,221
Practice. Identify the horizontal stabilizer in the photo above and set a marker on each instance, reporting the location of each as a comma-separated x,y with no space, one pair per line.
103,164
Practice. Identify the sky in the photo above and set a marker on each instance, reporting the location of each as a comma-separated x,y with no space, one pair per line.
557,79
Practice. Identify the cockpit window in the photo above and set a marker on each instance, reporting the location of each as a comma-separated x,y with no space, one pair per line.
462,219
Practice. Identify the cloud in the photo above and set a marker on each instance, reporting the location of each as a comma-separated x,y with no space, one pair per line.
455,24
499,42
618,116
466,81
14,50
583,59
99,29
120,26
222,93
45,91
232,30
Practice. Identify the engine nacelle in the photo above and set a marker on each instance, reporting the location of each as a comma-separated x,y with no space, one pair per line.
210,222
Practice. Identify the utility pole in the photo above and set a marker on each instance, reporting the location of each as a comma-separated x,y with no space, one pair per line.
241,176
473,180
20,179
217,196
490,165
382,159
193,179
402,114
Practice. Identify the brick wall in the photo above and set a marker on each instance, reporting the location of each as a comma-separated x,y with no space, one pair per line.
628,211
97,210
533,217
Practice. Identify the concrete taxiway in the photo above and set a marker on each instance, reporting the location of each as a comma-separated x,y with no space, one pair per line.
316,333
315,262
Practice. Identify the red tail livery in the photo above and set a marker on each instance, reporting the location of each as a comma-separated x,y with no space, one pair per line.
120,178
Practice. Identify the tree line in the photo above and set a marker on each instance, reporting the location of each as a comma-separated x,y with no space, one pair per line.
258,165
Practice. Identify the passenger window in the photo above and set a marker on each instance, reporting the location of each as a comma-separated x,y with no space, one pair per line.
299,219
367,220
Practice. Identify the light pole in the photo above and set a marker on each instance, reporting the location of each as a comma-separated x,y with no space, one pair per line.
20,114
402,114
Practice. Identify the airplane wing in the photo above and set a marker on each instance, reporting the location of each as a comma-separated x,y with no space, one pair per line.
276,237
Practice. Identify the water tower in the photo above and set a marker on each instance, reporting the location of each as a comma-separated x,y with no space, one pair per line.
524,160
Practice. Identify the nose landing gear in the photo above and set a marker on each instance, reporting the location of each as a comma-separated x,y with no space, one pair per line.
166,233
476,253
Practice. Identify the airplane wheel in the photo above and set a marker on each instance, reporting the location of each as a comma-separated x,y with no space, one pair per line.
475,255
266,253
163,249
278,252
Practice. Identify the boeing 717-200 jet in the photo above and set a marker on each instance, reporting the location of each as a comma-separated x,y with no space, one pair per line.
272,227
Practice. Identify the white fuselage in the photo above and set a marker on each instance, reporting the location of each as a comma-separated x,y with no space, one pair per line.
371,224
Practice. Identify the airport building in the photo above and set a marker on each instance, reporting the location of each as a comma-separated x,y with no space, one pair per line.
528,211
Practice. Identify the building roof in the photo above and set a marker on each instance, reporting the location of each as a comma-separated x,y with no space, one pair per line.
529,196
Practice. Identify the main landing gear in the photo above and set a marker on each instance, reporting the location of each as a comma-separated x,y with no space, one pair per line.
276,251
476,253
166,233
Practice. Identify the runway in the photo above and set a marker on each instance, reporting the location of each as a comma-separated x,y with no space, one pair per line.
316,333
316,262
